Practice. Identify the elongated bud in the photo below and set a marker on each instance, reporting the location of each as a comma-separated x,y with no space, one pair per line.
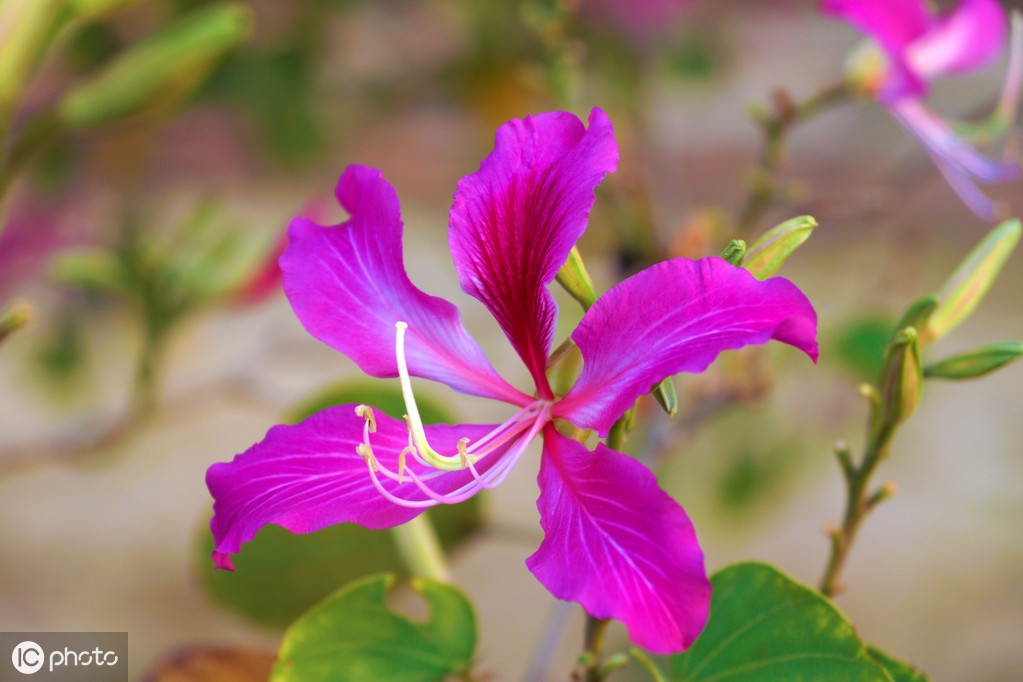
770,252
902,377
735,252
574,279
976,363
970,282
157,75
664,393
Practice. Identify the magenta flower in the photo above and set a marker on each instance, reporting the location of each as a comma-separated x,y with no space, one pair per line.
912,47
614,541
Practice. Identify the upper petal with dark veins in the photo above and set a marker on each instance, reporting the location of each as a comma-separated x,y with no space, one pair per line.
515,221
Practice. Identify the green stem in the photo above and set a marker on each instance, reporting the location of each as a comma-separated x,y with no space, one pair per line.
35,137
859,502
419,547
588,669
764,187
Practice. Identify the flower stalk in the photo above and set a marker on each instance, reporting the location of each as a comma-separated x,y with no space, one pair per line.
420,548
775,126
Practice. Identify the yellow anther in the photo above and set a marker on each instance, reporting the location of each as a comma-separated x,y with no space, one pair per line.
463,452
366,452
366,412
401,462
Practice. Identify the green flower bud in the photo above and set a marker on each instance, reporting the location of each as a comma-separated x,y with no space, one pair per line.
901,378
976,363
735,252
770,252
574,279
918,313
664,393
970,282
158,74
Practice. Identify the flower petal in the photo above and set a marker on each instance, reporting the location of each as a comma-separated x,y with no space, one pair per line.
619,545
348,286
893,24
515,221
308,476
959,163
676,317
967,39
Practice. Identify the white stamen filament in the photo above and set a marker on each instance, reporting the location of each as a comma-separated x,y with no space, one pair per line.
520,430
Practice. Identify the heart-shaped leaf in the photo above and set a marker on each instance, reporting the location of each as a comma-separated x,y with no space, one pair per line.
354,636
766,627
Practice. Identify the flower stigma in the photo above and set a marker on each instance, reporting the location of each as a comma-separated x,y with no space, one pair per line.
513,436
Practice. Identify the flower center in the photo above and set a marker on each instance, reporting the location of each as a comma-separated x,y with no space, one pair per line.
513,436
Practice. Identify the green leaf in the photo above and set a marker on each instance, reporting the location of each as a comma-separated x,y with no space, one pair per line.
900,671
766,627
354,636
160,73
860,345
280,575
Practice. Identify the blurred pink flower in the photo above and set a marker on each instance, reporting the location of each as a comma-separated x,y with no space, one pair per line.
913,46
635,19
33,232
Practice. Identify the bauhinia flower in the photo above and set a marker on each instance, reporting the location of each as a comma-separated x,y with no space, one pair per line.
614,541
912,46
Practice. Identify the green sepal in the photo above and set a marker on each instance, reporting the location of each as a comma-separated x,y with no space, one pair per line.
975,363
354,636
27,29
159,74
573,278
971,280
666,397
735,252
767,254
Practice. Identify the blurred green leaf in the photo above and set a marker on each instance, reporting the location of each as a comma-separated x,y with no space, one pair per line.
159,74
766,627
279,575
860,344
91,270
970,282
354,636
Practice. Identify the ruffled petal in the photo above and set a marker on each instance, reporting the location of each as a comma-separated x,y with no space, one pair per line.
619,545
308,476
967,39
959,163
348,287
514,222
893,24
676,317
